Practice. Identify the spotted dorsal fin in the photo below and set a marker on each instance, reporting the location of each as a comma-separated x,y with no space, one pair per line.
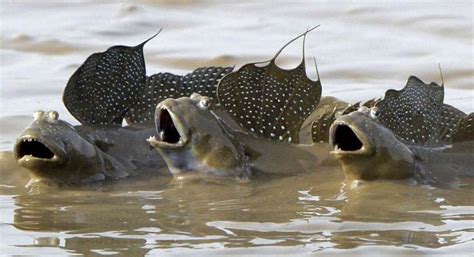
464,130
161,86
106,85
269,101
320,127
413,112
449,120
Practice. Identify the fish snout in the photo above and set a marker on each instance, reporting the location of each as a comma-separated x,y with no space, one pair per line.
32,150
347,138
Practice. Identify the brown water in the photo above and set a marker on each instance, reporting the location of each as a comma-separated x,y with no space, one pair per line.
362,49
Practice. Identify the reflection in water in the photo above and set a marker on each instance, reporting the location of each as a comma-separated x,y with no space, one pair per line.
144,215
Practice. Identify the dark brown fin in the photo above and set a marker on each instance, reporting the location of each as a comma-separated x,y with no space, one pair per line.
464,129
320,127
269,101
106,85
351,108
371,103
413,113
449,120
161,86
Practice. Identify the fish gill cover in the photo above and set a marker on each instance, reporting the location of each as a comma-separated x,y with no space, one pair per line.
270,101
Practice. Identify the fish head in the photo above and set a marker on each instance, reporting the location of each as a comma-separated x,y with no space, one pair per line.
190,137
181,121
53,149
366,149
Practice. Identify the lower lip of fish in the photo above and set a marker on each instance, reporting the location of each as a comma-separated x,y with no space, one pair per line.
158,142
361,151
30,158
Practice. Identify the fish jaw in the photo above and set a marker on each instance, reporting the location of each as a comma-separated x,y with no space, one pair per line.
348,139
170,131
33,152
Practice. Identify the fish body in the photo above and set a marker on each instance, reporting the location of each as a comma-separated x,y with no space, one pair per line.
193,138
54,150
367,150
408,134
253,127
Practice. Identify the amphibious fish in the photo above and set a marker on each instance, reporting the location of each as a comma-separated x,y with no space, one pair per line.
408,134
254,131
191,137
54,150
108,87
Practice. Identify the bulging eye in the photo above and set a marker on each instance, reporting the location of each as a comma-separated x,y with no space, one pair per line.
363,109
204,103
53,115
195,96
38,115
374,113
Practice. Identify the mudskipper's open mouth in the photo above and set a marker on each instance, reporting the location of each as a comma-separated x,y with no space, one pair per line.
31,148
166,129
347,139
169,131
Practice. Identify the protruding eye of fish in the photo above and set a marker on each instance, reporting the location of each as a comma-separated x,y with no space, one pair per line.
53,115
38,115
195,96
374,113
363,109
204,103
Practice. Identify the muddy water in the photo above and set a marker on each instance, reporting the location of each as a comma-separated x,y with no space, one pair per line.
361,49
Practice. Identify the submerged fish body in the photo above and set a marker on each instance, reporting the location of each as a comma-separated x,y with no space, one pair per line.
54,150
190,138
367,150
402,137
193,138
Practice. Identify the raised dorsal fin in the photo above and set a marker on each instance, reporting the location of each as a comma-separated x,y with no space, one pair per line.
320,127
106,85
269,101
464,130
449,120
413,112
161,86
